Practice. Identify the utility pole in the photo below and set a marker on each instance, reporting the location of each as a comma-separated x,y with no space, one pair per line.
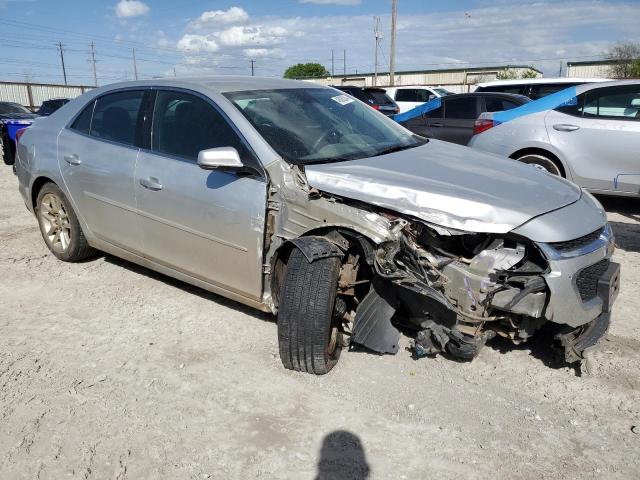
344,62
252,62
174,72
560,70
377,32
64,70
135,65
392,55
332,64
93,62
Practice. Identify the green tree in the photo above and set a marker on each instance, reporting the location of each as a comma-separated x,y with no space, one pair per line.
510,74
626,60
635,69
529,74
301,70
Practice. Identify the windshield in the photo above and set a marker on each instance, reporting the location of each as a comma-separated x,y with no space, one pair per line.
443,92
313,125
12,108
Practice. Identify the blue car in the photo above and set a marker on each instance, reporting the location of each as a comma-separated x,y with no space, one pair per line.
13,117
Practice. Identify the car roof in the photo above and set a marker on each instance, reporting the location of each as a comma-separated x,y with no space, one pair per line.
514,96
219,83
534,81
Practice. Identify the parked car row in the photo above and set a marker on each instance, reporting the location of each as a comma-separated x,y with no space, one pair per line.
14,117
302,201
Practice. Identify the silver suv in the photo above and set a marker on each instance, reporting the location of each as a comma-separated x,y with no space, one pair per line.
302,201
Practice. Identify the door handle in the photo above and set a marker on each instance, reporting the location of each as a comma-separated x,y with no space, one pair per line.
72,159
438,124
565,127
151,183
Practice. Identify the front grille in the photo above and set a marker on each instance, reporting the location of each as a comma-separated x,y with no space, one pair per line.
576,243
587,280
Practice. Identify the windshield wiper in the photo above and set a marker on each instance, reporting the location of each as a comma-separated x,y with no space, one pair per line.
396,148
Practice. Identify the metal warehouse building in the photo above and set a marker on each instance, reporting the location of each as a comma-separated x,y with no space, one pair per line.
31,95
595,69
459,80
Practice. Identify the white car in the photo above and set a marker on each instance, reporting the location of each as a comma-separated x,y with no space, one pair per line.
589,134
535,88
410,96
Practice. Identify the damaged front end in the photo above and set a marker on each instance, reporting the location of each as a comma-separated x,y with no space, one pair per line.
459,289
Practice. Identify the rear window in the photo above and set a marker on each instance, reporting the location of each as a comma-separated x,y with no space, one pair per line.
379,97
412,95
499,104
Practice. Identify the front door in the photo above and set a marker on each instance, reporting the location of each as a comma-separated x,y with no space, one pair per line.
205,223
97,155
600,138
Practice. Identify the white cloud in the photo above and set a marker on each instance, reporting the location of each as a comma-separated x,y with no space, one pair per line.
216,18
240,36
131,8
333,2
197,43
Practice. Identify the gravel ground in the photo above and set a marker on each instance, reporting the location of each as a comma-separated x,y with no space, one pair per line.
111,371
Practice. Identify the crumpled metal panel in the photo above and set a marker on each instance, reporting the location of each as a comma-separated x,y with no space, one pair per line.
448,185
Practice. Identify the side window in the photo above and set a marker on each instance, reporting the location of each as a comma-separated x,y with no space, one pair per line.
495,104
539,91
115,116
573,107
407,95
614,103
184,124
82,123
422,95
461,108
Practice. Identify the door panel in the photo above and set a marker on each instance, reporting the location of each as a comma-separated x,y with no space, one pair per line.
604,143
206,223
99,174
459,117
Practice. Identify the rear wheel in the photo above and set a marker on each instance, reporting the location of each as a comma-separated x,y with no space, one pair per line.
309,335
542,162
59,225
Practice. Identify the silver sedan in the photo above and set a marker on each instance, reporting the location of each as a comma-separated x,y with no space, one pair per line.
302,201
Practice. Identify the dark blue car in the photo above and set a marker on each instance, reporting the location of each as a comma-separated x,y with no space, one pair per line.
13,117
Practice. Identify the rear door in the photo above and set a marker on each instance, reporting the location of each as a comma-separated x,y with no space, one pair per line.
460,114
208,224
599,137
97,154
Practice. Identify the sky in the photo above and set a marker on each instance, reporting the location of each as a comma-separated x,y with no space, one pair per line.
193,37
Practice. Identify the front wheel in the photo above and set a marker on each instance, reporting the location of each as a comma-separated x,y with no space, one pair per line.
309,335
59,225
541,162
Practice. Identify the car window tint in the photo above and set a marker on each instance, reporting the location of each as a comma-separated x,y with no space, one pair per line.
499,104
539,91
423,95
407,95
82,123
437,113
574,108
501,89
115,116
184,125
461,108
378,97
615,102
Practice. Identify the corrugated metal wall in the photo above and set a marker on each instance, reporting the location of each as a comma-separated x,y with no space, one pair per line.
589,71
32,95
458,81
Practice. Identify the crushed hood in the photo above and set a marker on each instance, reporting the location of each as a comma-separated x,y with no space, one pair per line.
448,185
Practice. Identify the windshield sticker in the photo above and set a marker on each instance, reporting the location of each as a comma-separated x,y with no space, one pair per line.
342,99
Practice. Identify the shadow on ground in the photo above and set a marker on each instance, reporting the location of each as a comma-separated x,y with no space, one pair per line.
342,457
220,300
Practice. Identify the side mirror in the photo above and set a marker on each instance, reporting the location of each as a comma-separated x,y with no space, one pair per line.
221,157
431,97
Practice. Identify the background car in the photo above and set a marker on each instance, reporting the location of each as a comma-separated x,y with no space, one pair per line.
454,119
410,96
534,88
376,97
589,134
51,105
13,117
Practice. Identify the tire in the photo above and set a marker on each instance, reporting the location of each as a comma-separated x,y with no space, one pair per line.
308,336
59,225
7,150
541,162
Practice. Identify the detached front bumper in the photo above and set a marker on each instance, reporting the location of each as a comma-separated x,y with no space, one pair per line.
583,282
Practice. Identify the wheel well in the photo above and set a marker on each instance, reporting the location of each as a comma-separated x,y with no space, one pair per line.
357,244
540,151
35,188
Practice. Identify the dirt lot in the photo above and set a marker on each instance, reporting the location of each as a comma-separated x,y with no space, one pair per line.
108,370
